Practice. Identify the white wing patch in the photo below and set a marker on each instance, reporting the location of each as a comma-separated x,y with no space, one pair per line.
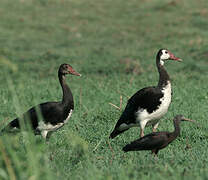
124,126
143,117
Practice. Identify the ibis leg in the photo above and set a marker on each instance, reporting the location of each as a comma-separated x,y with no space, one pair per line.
155,151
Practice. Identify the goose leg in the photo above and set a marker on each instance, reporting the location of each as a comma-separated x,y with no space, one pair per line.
155,127
48,135
142,126
44,134
141,133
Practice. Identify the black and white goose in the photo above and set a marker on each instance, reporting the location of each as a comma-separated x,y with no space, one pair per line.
50,116
149,104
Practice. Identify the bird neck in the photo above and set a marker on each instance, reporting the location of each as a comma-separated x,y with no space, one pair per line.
163,76
67,99
176,132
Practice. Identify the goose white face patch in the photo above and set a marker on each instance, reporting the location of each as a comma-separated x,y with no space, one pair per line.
165,56
145,118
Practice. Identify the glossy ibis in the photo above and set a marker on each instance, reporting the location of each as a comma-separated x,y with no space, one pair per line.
156,140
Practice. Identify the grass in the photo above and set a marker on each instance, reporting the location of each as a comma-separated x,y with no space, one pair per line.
113,44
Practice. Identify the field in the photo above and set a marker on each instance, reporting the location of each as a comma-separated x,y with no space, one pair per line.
113,45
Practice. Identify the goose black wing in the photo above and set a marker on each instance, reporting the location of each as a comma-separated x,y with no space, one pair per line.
147,98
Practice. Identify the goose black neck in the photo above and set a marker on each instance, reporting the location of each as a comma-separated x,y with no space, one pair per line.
163,75
67,99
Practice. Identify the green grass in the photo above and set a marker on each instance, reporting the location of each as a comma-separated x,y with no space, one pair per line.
113,44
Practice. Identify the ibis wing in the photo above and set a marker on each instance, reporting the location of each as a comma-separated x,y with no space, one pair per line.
148,142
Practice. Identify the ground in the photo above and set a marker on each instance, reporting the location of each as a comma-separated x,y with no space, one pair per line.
113,45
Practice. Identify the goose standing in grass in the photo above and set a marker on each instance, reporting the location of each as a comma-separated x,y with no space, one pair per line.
157,140
149,104
50,116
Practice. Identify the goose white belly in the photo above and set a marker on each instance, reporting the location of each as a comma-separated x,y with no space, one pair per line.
49,127
144,117
68,117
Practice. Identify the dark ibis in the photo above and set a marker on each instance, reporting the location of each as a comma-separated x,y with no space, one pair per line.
50,116
149,104
156,140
